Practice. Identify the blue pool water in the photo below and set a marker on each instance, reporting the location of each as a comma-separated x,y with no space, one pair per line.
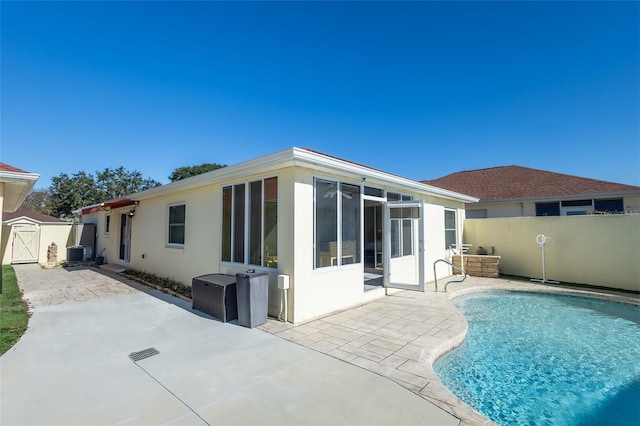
540,359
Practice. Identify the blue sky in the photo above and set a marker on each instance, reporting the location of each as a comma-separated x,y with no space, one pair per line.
419,89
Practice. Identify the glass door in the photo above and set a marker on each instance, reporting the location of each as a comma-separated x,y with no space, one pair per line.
125,237
403,264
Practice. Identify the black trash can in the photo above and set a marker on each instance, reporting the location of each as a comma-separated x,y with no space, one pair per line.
252,291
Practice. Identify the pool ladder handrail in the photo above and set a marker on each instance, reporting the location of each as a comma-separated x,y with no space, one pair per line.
450,263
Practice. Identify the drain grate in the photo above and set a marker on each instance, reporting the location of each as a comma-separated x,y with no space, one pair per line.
137,356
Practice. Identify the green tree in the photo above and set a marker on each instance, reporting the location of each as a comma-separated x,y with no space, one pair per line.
69,193
188,171
116,183
38,200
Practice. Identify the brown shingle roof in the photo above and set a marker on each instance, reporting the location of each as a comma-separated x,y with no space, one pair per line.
22,212
7,168
516,182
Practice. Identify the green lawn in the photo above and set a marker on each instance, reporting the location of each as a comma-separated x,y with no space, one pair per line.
13,310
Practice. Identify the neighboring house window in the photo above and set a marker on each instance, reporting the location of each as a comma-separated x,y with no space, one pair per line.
476,214
401,230
337,213
250,221
176,224
107,223
576,207
615,205
580,207
548,209
450,228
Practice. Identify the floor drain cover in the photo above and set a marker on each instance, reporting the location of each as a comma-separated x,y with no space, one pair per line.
137,356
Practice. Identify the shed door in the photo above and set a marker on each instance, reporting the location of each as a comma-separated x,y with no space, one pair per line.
26,244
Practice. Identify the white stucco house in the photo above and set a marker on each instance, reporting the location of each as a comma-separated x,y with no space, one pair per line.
338,230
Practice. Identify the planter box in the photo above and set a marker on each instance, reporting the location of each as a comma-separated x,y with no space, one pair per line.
479,265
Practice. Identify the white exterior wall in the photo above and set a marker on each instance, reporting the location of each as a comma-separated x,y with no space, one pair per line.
506,209
201,253
322,290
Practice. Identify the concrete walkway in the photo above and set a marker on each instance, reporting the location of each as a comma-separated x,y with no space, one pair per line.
72,367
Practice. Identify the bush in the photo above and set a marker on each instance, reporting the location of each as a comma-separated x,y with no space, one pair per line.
159,282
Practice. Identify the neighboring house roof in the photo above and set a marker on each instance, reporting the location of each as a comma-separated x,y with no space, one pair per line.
287,158
17,184
523,183
22,213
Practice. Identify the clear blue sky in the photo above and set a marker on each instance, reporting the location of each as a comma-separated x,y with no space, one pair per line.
419,89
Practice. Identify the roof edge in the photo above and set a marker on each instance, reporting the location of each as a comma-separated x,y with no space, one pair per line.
293,157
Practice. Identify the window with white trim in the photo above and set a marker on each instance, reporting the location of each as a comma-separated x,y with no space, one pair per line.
250,223
177,221
337,223
450,228
107,223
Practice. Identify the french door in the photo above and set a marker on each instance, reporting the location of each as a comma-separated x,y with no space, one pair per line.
403,265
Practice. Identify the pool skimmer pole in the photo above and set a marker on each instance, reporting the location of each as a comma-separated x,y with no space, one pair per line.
542,241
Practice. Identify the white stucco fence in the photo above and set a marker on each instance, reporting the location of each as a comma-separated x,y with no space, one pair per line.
599,250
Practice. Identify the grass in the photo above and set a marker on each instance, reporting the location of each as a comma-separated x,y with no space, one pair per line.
14,315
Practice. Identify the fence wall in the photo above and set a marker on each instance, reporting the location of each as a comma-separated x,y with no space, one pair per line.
597,250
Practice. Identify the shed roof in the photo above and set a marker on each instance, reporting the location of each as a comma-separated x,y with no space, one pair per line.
517,182
30,214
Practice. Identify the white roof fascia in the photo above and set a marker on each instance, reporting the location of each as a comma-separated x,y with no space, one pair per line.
32,220
321,162
18,177
296,157
17,185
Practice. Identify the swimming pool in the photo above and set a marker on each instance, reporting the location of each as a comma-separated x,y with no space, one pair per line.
539,359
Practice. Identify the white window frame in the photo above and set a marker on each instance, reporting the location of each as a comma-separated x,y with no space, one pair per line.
247,222
339,263
455,229
169,224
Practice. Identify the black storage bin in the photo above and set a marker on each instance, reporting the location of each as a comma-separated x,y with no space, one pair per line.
252,293
215,294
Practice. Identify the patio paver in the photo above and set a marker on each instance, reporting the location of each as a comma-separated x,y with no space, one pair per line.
401,335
